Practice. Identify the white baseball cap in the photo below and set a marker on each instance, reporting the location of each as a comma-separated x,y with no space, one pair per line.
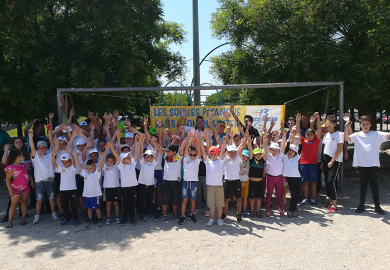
149,152
124,155
274,146
65,156
62,138
81,141
83,123
93,150
231,148
129,135
41,143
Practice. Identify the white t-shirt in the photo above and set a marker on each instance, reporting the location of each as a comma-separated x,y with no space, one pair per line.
82,163
68,178
191,169
367,148
91,184
214,172
111,176
58,159
232,167
275,164
172,170
43,168
159,158
290,166
146,174
128,175
331,141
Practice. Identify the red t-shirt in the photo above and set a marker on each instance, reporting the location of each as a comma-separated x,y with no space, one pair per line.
309,150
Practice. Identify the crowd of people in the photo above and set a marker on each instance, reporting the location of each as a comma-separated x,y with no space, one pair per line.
79,170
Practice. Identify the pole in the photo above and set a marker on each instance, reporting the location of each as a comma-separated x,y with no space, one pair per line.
341,113
59,107
326,102
195,27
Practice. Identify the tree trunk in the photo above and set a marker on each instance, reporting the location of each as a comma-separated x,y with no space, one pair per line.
20,130
370,112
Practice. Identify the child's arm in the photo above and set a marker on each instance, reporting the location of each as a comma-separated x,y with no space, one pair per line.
222,153
188,144
86,148
242,145
168,122
78,162
312,120
166,132
71,157
219,142
199,144
298,125
136,143
272,126
115,136
235,116
50,136
102,156
319,132
27,128
347,128
147,140
71,114
92,128
202,148
283,141
265,143
140,147
182,116
53,158
182,149
114,152
249,144
207,139
51,115
182,133
157,147
107,129
71,140
160,133
32,146
228,132
211,120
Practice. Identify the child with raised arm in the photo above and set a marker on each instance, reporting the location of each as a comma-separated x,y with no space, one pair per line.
244,175
92,190
44,177
366,158
146,179
68,187
232,176
191,168
214,168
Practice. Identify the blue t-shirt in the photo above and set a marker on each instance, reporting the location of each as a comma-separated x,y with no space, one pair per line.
214,140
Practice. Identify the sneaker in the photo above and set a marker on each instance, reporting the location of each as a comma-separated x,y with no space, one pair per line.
223,216
206,214
100,224
210,223
117,220
289,214
251,214
239,218
259,214
360,209
61,216
157,216
220,223
313,202
132,221
332,210
108,221
267,213
36,219
65,221
281,212
176,216
165,218
142,218
379,210
122,222
304,202
182,220
89,223
193,219
294,215
196,212
328,205
54,216
244,213
76,222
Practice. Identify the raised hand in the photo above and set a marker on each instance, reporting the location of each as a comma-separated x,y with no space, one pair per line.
71,113
225,139
55,140
312,119
273,123
205,133
232,107
265,119
63,127
346,117
127,123
132,130
226,114
184,112
51,115
167,130
211,115
323,117
92,125
316,115
30,134
182,128
282,124
116,113
78,154
145,121
159,122
298,117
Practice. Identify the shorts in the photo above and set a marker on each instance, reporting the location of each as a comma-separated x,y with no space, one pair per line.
256,189
45,188
233,189
285,182
92,203
79,184
215,196
158,177
171,191
189,189
244,189
309,173
112,194
57,178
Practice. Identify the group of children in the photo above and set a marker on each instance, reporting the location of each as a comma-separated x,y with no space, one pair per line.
86,165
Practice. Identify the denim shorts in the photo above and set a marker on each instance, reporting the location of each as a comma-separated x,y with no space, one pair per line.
45,188
189,188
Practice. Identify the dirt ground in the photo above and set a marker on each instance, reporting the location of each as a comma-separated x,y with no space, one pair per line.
315,240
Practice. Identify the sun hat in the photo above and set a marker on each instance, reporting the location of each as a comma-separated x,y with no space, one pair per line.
231,148
152,131
124,155
245,153
294,147
65,156
149,152
83,124
257,151
41,143
274,146
81,141
62,138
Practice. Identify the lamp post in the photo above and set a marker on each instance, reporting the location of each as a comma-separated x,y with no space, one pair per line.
195,27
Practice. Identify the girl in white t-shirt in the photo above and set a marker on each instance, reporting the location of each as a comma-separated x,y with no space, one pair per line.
191,162
291,172
331,161
214,170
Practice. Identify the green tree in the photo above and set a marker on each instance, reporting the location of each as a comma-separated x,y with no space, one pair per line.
311,40
46,44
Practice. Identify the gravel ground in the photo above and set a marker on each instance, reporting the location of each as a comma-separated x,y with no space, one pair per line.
315,240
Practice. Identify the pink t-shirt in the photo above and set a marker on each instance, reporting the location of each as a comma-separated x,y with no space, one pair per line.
19,179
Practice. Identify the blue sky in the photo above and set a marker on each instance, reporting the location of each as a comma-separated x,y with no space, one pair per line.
180,11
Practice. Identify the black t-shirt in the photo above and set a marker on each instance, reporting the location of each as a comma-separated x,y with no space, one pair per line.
202,168
256,168
252,131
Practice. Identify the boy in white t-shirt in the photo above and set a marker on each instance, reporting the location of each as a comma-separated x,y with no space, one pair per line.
43,176
146,183
191,168
92,190
68,188
214,169
366,158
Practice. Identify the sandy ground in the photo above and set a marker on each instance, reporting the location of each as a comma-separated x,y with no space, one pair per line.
315,240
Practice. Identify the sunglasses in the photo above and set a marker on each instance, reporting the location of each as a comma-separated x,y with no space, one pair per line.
192,155
290,124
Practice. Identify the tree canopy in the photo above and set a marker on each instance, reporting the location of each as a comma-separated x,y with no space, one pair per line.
307,40
46,44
